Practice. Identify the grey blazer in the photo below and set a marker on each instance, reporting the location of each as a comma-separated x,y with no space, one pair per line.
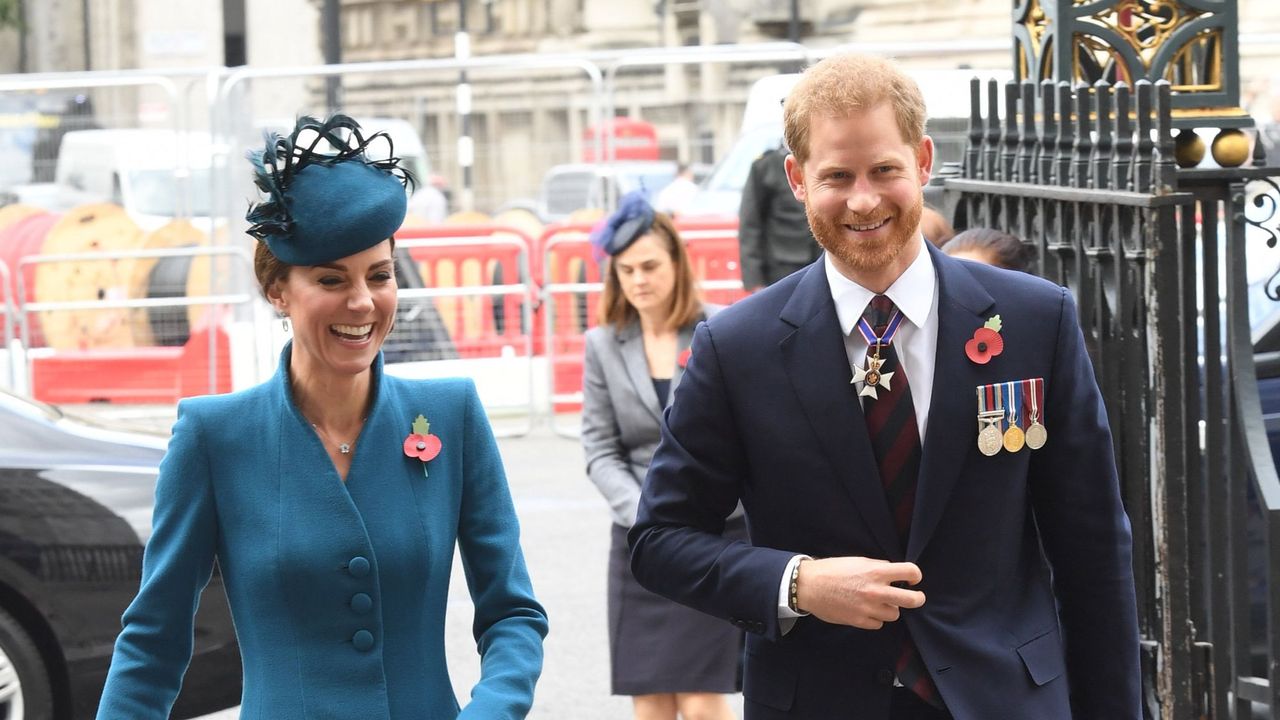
621,417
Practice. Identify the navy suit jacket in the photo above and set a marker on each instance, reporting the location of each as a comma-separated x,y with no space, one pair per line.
338,590
1026,557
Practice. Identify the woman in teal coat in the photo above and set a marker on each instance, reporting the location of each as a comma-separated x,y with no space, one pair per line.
332,496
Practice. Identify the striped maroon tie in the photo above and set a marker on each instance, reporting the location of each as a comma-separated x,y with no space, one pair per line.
895,439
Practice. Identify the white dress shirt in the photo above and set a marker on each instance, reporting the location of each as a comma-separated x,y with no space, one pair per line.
915,293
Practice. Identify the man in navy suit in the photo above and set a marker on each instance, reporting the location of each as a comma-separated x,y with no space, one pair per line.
922,452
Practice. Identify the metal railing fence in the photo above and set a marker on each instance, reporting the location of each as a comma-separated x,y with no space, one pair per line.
1107,213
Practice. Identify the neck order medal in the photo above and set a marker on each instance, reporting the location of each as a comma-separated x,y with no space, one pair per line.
872,376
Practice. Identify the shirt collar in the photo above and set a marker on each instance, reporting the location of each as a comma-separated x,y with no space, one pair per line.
912,292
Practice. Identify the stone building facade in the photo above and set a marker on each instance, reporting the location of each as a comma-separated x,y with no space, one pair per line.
524,122
526,119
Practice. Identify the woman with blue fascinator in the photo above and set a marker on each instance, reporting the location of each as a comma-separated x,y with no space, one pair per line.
332,496
674,661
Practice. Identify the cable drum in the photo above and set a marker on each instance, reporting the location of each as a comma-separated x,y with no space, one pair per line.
99,228
22,234
168,279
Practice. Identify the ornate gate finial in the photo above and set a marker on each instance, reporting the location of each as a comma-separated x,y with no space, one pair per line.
1191,43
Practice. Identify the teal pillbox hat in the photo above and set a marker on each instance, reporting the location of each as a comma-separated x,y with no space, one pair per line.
322,207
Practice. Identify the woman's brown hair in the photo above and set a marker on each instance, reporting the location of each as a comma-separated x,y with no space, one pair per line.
269,269
686,300
1005,250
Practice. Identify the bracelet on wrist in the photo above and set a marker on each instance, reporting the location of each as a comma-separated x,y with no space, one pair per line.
793,587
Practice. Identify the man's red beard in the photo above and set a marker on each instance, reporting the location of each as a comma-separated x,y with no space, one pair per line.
870,255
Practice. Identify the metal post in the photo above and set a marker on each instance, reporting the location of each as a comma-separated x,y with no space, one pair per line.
793,25
466,145
332,42
88,47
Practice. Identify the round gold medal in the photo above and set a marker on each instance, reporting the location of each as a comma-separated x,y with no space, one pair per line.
1036,436
1013,439
989,440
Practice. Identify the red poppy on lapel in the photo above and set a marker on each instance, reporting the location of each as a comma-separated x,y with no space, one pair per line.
986,342
421,443
683,358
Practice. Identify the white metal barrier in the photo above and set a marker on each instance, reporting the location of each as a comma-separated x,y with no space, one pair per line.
225,101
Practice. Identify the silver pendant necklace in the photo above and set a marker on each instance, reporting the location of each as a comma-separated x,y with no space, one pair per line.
343,447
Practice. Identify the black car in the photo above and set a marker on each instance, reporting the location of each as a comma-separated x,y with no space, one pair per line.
75,510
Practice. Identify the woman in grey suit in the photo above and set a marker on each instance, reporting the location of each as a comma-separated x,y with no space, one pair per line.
674,661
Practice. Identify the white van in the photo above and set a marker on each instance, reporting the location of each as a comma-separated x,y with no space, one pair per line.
154,174
946,95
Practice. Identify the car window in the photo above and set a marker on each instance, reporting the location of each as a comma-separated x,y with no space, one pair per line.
731,174
566,192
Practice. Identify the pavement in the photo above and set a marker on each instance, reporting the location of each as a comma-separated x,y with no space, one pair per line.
565,534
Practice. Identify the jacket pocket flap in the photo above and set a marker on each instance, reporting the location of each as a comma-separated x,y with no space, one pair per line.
1043,657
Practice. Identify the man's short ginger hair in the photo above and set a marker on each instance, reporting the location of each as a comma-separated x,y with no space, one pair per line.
846,83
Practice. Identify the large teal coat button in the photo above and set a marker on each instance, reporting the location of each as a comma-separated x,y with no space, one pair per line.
358,567
363,640
361,603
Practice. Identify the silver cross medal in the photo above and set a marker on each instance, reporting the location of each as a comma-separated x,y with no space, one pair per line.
871,377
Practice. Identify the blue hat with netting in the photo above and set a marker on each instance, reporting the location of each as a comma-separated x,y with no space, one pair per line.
633,218
322,206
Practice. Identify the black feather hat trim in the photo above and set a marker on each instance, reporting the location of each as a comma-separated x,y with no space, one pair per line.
283,160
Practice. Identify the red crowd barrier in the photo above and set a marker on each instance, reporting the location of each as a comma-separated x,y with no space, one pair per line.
479,325
160,375
565,316
461,257
713,252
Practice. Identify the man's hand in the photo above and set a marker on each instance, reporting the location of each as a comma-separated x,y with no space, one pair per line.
857,591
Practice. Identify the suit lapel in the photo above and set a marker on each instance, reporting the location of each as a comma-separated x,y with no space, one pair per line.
631,347
818,367
963,306
683,343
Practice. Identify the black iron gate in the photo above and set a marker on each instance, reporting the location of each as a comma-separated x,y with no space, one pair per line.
1155,255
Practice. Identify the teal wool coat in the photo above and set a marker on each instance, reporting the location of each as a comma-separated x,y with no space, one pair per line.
338,590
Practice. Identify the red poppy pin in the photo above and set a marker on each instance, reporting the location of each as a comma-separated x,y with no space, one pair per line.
986,342
683,358
421,443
